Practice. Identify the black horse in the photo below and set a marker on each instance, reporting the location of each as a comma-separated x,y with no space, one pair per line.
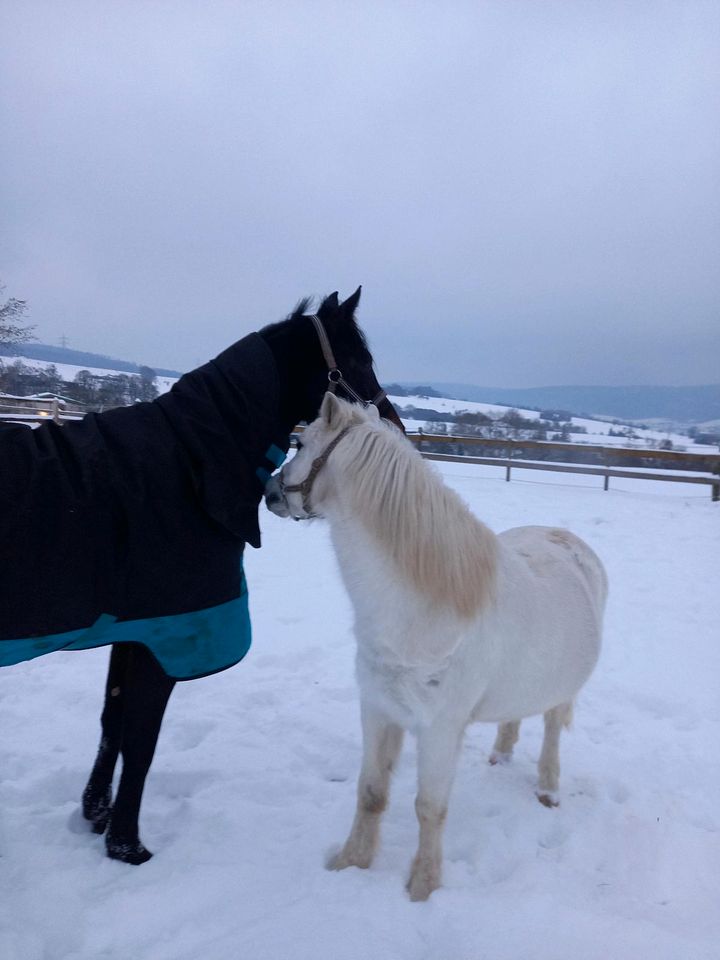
128,528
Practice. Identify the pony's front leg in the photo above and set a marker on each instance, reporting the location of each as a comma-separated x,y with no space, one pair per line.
438,748
97,795
382,742
148,688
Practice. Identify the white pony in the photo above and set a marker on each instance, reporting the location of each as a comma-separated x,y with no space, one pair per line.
453,623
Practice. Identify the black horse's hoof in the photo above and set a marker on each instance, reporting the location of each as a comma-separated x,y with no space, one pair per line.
132,852
97,808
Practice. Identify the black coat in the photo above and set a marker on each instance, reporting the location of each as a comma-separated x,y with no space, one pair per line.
140,512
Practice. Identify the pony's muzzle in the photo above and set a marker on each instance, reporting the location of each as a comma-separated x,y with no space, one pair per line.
275,499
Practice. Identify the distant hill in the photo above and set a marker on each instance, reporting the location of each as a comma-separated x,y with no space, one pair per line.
677,404
78,358
681,404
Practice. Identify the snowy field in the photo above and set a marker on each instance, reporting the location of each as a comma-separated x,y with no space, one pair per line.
596,431
69,371
253,782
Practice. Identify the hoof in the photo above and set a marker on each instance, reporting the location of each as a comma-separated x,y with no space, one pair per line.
420,887
97,808
132,852
548,799
497,759
424,878
341,861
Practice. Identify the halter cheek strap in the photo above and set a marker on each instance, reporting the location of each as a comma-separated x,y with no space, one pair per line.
335,380
335,377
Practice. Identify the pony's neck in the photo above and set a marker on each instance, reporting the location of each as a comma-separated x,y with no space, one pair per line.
299,362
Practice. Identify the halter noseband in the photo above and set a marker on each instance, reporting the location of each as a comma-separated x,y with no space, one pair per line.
335,377
305,486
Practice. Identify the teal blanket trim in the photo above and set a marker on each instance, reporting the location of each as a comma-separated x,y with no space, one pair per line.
276,457
187,645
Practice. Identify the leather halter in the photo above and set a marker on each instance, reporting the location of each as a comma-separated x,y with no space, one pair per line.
305,486
335,377
335,380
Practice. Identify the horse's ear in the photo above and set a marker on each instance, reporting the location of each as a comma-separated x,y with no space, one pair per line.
330,302
332,411
349,306
372,411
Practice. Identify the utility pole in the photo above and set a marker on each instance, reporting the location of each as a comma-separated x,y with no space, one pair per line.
63,341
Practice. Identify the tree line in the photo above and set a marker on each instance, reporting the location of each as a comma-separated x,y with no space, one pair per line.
93,391
96,392
549,425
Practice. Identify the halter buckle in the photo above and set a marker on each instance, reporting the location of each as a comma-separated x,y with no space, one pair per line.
335,377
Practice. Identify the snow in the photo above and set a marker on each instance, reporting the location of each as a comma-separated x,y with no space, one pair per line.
68,371
254,778
597,430
448,405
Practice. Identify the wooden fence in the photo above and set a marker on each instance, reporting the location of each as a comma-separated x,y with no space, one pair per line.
32,410
695,468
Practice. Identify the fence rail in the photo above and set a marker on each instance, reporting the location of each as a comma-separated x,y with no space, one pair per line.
696,468
606,472
32,411
687,461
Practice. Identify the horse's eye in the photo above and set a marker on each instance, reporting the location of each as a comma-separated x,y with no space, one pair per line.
298,444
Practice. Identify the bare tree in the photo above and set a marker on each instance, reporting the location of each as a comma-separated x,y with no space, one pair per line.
12,329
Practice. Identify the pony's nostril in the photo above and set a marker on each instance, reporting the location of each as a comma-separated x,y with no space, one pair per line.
275,499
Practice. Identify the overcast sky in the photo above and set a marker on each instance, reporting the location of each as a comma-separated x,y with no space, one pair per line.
528,191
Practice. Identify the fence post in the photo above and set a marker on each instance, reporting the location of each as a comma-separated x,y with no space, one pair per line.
56,409
607,481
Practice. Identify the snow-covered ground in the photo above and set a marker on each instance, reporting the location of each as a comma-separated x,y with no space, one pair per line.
254,778
596,431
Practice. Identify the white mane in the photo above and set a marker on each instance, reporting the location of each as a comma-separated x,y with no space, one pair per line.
437,544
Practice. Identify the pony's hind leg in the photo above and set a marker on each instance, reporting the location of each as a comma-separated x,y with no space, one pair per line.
507,737
382,742
97,796
147,690
549,763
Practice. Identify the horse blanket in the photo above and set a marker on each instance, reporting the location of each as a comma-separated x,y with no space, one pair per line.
130,525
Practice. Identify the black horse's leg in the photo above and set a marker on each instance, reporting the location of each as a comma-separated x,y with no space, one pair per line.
147,689
97,796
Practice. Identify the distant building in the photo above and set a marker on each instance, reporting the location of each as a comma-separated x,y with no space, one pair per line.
556,415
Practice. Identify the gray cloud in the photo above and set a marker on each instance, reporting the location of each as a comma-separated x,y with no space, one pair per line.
528,191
